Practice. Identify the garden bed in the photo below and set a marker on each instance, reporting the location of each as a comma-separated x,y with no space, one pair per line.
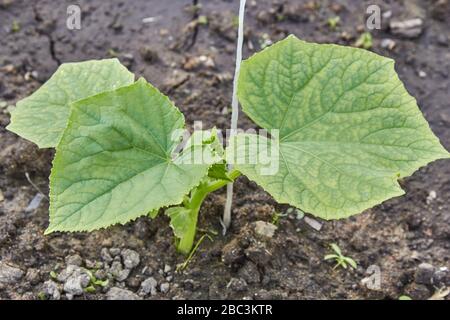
187,50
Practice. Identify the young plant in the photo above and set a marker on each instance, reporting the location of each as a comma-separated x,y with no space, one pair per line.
340,259
343,131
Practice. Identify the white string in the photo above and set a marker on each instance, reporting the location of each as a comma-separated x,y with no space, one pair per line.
235,112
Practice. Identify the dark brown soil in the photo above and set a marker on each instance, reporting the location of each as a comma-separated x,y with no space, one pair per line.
396,236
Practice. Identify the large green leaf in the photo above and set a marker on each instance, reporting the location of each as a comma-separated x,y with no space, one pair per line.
114,162
348,129
42,117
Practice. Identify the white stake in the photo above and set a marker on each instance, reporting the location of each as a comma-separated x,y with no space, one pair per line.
235,112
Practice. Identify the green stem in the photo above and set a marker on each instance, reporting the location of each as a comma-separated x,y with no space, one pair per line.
222,183
194,203
186,242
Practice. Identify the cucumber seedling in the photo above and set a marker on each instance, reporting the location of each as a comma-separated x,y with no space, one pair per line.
346,131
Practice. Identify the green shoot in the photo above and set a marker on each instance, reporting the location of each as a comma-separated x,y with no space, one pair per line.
340,259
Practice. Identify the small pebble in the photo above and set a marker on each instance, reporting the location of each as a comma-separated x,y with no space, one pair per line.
388,44
265,229
316,225
431,196
165,287
34,203
422,74
74,259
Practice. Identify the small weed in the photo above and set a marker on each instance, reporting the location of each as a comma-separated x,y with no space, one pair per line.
364,41
186,262
53,274
340,259
203,20
15,26
276,217
333,22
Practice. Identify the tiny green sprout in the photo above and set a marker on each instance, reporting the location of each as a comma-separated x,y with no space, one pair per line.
340,259
113,53
90,289
42,296
364,41
276,217
203,20
404,298
15,26
281,17
333,22
235,21
93,281
53,274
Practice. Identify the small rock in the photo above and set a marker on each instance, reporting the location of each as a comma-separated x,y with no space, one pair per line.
91,264
75,284
67,272
33,276
263,295
441,277
34,203
51,290
167,268
133,282
316,225
118,272
9,274
148,286
388,44
238,285
165,287
130,258
258,253
232,253
127,59
75,260
442,40
422,74
114,251
387,15
100,274
177,78
432,194
439,10
265,229
1,196
411,28
264,17
192,63
424,273
147,271
106,256
116,293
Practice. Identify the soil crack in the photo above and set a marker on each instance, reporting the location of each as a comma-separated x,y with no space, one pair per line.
48,34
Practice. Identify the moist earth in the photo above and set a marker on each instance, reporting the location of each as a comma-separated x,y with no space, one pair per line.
186,48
